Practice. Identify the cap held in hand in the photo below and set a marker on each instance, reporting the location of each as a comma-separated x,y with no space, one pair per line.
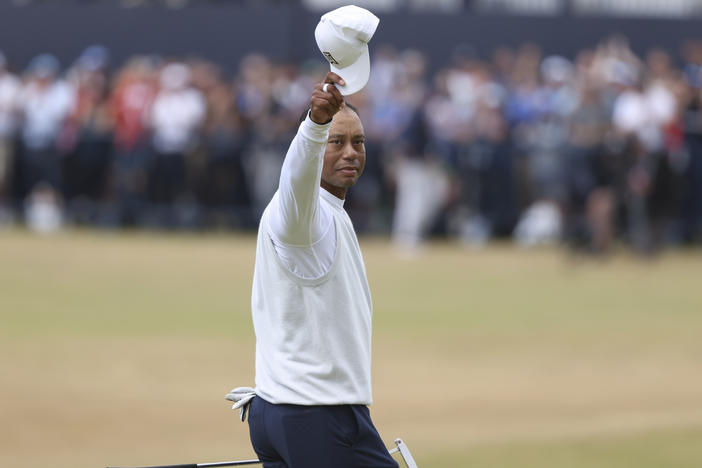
342,36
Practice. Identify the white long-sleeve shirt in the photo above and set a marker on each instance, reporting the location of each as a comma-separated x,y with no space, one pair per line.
302,228
310,301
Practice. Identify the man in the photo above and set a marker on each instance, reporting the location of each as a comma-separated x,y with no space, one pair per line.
311,304
10,87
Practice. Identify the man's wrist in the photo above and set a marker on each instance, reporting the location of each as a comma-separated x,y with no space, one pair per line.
309,114
314,131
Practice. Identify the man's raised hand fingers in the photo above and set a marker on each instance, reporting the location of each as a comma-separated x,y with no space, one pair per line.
331,95
324,104
336,98
334,78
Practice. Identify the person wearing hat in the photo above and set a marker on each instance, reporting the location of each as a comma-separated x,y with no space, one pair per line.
311,303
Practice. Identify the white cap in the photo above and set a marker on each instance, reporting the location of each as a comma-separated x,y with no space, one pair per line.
342,37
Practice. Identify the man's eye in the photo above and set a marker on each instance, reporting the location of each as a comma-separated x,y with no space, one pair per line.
359,142
335,142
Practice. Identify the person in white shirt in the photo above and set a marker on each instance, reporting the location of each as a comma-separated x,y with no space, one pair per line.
177,115
311,304
44,104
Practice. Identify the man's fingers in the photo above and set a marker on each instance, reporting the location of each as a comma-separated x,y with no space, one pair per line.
319,102
322,109
332,95
326,98
334,78
336,94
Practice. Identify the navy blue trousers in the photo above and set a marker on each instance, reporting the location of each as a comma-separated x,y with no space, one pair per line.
338,436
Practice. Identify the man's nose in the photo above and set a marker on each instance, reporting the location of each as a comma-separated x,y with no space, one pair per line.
349,152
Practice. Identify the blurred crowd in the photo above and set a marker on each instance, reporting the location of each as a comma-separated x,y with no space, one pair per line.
592,150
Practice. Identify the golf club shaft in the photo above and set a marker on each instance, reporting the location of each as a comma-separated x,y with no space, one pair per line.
232,463
399,447
204,465
187,465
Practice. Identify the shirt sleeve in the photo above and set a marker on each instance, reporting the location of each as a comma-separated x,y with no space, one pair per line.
295,217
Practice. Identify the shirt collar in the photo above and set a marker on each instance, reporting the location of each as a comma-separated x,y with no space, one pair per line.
337,202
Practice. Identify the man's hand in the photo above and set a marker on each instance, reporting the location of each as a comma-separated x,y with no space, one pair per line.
326,99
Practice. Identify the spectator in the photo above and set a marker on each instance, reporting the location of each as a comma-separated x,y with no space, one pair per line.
254,103
86,138
420,180
177,115
9,90
222,185
589,205
130,105
692,125
44,104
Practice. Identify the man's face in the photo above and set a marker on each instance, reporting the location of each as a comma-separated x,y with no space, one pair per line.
345,155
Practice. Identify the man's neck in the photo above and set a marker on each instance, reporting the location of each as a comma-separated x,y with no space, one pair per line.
338,192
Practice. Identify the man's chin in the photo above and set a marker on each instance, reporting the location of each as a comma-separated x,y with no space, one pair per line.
350,183
340,183
346,182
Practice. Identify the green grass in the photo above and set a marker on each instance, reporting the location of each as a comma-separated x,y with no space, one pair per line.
100,285
118,348
678,449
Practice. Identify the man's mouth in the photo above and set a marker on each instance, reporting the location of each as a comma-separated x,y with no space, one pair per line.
348,171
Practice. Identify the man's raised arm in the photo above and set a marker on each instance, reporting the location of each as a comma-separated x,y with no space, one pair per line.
297,221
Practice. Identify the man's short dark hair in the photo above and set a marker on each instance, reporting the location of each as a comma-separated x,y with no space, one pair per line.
307,111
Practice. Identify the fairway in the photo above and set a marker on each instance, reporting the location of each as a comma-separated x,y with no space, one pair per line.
118,349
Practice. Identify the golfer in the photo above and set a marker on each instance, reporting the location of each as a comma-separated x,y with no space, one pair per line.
312,304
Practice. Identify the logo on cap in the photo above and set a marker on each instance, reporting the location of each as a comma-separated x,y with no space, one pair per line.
331,59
